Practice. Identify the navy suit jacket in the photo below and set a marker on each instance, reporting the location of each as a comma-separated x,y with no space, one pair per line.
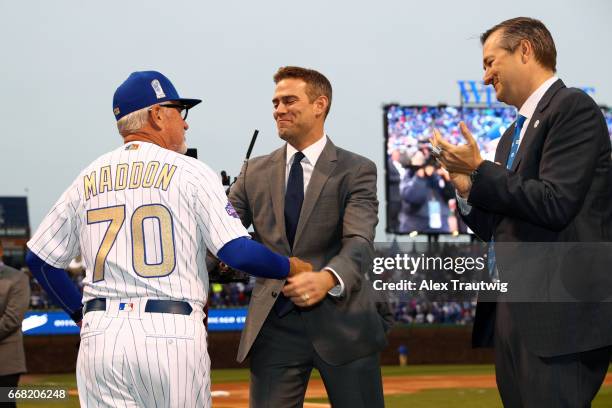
559,190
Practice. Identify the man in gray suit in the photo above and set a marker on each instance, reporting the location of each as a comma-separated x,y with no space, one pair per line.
14,301
312,200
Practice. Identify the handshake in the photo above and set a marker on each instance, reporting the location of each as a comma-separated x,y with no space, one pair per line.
297,266
306,287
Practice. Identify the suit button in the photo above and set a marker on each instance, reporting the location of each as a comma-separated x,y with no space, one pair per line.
274,294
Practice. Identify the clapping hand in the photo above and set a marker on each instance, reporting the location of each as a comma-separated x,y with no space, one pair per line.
459,160
463,158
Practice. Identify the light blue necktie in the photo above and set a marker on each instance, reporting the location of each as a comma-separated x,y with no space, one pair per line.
516,139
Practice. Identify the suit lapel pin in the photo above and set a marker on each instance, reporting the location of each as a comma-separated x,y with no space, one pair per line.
537,122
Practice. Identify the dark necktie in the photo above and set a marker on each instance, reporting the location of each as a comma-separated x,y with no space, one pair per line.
516,139
294,197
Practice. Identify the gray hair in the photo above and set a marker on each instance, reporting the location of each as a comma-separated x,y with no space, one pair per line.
133,122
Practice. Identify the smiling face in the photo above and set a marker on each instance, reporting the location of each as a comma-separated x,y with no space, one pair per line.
505,70
299,121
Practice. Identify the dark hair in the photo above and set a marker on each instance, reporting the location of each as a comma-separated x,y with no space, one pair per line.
316,83
532,30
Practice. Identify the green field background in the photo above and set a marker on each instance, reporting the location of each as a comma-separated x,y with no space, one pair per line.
443,397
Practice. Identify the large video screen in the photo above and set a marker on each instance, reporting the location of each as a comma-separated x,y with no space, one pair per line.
420,197
607,111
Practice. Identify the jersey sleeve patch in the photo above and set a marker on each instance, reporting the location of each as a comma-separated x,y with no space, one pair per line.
231,210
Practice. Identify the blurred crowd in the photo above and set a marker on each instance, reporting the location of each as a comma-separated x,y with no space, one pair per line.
230,294
423,311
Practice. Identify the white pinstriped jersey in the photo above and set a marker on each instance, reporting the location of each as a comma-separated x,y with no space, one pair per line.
142,217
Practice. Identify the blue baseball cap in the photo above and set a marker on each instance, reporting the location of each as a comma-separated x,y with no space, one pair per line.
143,89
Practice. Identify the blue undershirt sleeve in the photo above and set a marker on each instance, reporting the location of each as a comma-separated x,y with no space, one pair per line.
253,258
62,291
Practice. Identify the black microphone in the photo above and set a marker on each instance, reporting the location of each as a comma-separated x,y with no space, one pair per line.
253,139
192,152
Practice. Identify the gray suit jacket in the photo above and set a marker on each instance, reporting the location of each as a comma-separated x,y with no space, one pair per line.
14,301
336,229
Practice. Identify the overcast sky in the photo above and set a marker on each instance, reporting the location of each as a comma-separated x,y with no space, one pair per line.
61,61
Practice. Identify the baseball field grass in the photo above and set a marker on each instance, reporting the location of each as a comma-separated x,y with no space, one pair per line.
423,386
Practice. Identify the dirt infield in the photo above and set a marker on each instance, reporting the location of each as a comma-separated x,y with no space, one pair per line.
236,395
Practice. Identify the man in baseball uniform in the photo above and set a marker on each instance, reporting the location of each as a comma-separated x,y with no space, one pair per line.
142,216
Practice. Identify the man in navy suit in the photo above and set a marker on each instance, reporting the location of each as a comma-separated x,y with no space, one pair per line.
551,182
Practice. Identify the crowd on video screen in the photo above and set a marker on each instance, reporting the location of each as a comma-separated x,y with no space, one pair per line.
420,196
608,115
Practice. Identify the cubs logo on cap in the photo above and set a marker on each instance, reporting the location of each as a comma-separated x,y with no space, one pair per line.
143,89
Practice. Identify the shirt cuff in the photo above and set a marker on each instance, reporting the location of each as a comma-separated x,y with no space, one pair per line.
464,206
337,290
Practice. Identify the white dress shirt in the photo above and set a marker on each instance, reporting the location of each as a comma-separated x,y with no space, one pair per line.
527,111
312,154
308,163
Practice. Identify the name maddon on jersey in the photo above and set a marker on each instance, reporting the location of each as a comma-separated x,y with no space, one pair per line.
128,176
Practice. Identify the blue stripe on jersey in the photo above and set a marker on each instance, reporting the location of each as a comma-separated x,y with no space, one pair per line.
254,258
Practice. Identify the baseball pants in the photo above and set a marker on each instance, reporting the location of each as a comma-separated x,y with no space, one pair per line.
132,358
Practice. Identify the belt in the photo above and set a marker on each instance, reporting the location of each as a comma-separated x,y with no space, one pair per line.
152,306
